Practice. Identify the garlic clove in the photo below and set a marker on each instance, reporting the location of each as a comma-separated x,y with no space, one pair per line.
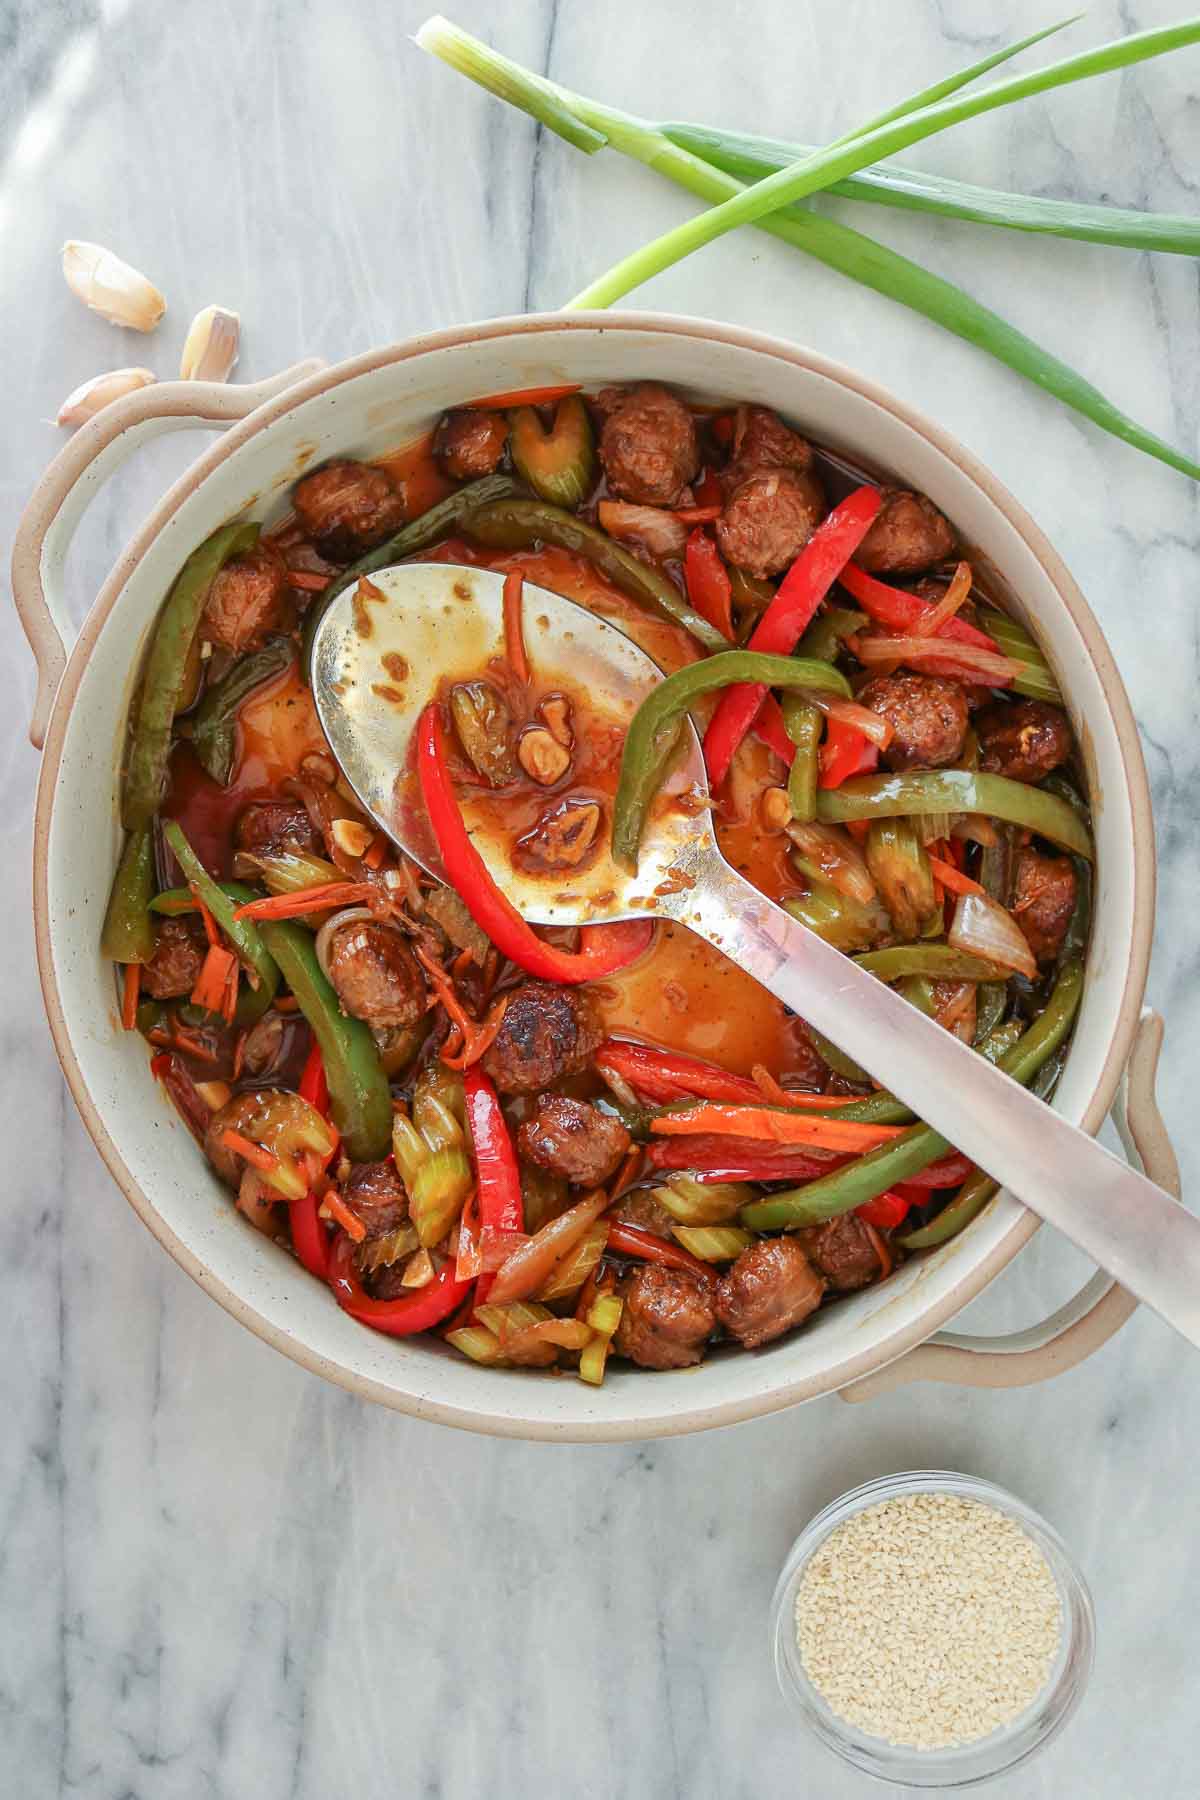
90,396
110,287
210,349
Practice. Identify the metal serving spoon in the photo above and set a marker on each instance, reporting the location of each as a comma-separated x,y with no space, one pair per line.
376,664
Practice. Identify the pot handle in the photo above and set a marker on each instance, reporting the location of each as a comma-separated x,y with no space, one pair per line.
1097,1311
71,482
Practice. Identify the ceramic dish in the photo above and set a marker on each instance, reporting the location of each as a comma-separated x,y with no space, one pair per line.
364,407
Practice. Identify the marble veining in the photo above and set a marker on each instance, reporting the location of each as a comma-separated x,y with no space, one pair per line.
219,1577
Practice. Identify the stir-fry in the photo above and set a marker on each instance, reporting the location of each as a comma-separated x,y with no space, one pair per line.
549,1146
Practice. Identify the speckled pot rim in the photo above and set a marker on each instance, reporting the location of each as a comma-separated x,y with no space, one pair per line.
776,1395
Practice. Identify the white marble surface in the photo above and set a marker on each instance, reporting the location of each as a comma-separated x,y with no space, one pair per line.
219,1577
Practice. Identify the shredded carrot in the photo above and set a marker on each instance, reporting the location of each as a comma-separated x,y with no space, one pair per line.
880,1245
790,1127
311,583
462,962
953,879
528,396
210,924
514,635
375,852
322,898
213,985
131,987
336,1207
192,1044
780,1096
931,621
239,1053
264,1160
469,1039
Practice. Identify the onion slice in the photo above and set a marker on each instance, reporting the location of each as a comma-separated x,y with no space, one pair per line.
659,532
985,928
531,1264
334,922
938,656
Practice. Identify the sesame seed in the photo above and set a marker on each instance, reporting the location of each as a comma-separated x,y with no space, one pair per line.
929,1620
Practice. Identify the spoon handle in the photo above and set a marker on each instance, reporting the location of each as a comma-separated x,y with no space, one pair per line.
1126,1224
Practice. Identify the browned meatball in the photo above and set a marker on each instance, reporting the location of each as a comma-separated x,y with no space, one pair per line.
1023,741
770,1288
647,444
470,442
1046,889
268,826
376,975
928,715
247,601
570,1138
547,1032
761,440
908,536
842,1250
667,1318
179,951
346,507
375,1195
768,519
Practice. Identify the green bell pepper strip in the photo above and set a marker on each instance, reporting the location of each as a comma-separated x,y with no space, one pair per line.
869,1175
829,630
214,723
519,524
957,790
243,934
360,1102
918,991
938,962
127,935
559,464
166,671
838,1061
175,903
440,521
977,1189
803,723
655,726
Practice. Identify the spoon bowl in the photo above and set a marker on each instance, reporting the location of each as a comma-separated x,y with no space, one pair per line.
379,660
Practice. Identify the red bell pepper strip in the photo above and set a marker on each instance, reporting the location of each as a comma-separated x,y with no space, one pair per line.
664,1075
712,1158
310,1240
631,1240
501,1207
708,491
886,1210
421,1310
771,730
527,396
603,948
844,752
903,612
800,593
708,585
951,1171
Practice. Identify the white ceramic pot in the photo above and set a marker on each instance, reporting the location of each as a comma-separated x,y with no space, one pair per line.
374,403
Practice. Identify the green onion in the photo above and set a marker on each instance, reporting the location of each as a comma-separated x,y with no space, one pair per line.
749,158
836,245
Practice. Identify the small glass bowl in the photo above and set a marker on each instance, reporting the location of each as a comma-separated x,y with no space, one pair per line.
965,1764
